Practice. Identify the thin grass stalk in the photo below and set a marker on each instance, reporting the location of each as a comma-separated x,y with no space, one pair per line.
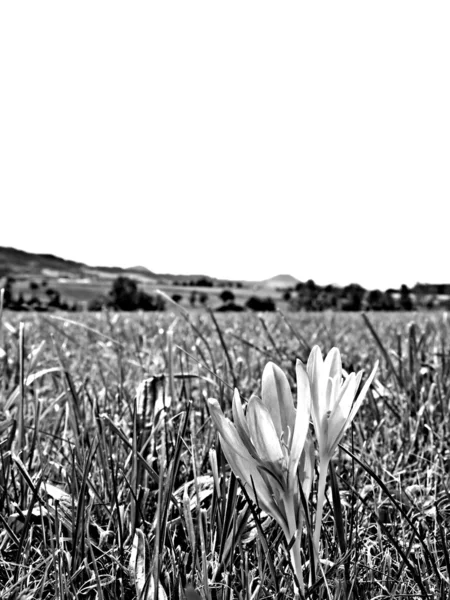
3,354
444,543
323,470
261,539
185,314
253,346
190,524
93,562
134,472
229,513
170,361
200,524
2,299
204,366
383,350
224,346
159,529
80,325
37,414
270,337
26,481
2,296
21,412
79,527
337,510
103,451
297,335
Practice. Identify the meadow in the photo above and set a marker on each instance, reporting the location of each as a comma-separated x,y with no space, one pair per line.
113,483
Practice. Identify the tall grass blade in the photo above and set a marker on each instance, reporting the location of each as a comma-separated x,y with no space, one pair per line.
138,563
383,350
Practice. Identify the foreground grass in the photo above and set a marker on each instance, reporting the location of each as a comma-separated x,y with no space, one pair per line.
113,485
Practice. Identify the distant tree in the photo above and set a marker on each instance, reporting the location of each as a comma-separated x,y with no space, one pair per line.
203,298
307,294
227,296
20,304
204,282
34,285
54,298
98,303
148,302
124,294
260,304
374,300
8,292
73,307
353,297
406,302
34,302
177,298
287,296
193,298
230,307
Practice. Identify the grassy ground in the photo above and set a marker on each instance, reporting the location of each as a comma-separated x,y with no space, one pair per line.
112,482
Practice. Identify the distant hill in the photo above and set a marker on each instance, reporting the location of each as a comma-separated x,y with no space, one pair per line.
28,266
19,263
280,282
13,261
140,269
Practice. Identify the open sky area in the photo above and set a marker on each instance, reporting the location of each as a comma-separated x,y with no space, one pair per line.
238,139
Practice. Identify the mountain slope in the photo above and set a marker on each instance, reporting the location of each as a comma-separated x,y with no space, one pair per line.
16,262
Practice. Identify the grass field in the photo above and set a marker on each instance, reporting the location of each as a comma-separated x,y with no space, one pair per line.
113,483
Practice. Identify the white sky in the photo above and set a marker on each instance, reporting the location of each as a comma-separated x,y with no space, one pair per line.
238,139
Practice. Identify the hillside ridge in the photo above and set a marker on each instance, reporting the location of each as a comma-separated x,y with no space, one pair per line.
15,262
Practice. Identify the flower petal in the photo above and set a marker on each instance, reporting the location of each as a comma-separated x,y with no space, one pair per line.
314,369
332,393
314,366
263,433
301,426
363,392
241,424
333,364
227,430
306,466
338,435
340,413
277,398
242,464
255,485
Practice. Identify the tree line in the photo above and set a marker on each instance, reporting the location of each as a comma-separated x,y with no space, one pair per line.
125,295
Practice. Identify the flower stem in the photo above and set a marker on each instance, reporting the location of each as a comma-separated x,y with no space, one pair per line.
295,551
297,562
323,469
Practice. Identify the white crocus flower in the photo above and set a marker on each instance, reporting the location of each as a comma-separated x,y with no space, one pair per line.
334,406
264,449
